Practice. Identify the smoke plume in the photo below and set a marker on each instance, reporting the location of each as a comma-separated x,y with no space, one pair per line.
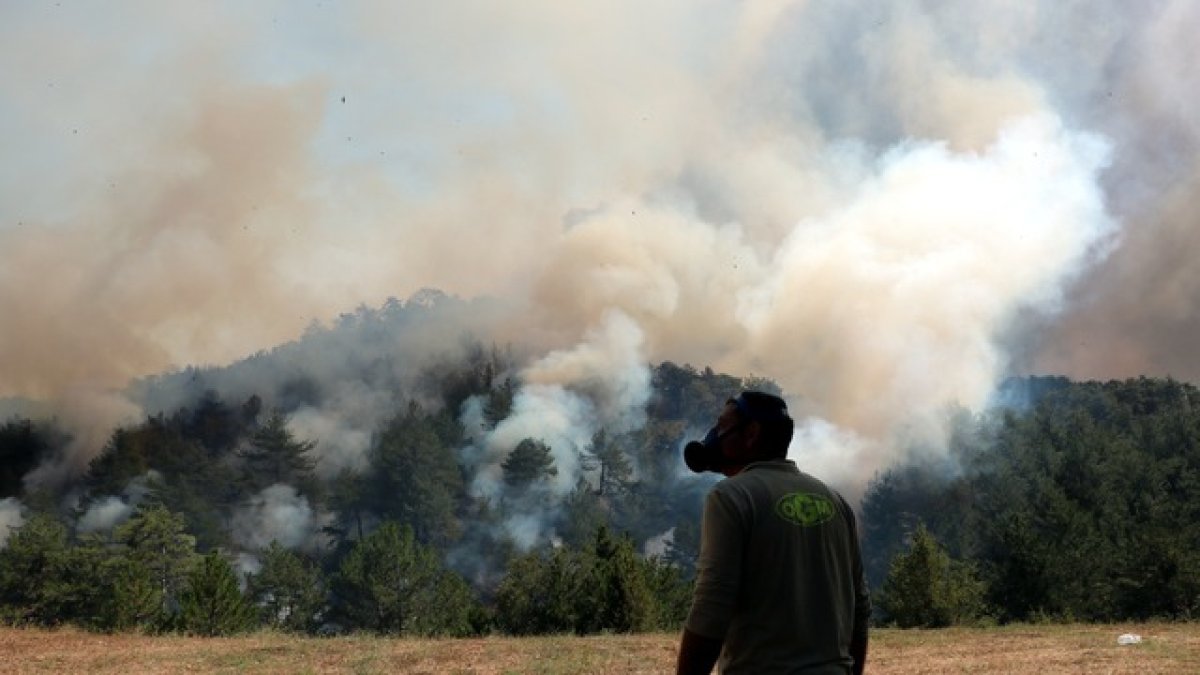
884,207
278,513
108,512
12,517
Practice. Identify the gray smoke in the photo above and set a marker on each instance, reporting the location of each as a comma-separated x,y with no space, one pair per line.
884,207
104,515
12,517
108,512
279,513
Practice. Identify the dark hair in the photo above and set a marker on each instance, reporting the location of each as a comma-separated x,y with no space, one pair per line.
771,413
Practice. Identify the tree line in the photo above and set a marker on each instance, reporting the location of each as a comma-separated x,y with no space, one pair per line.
403,545
1066,501
148,576
1080,502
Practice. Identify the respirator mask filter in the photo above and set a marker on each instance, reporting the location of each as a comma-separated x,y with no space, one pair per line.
704,455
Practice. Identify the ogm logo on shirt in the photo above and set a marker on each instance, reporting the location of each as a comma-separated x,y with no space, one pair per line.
805,509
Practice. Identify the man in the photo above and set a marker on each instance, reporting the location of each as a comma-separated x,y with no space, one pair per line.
780,585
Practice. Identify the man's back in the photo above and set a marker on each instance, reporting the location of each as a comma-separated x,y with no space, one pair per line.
780,573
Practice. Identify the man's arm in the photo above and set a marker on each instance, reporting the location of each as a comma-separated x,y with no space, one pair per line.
858,650
862,600
697,654
718,570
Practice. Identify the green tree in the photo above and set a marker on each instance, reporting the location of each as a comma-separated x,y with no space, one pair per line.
136,596
608,460
621,595
211,602
351,503
499,402
683,550
528,464
583,512
212,422
23,444
273,455
88,570
34,587
472,371
926,589
391,585
287,590
415,478
186,478
539,593
128,454
672,593
158,549
603,586
899,499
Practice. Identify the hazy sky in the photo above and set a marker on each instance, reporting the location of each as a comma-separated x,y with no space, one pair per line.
883,206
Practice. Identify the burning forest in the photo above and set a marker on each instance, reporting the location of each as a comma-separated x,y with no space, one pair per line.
455,284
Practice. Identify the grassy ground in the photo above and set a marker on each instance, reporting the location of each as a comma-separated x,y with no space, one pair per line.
1166,648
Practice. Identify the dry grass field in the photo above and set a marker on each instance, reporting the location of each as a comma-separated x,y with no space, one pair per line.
1166,648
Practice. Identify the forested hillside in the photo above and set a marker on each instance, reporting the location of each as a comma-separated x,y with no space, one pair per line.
419,532
1081,503
1072,500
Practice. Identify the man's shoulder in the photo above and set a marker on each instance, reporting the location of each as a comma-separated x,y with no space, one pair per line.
769,476
774,477
775,472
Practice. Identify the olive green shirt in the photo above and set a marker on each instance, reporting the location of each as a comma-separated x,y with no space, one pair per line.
780,575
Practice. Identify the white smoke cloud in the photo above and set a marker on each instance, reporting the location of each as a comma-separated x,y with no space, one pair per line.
104,515
658,545
890,310
608,366
835,454
341,433
528,527
246,564
12,517
567,395
881,313
547,413
278,513
881,206
604,382
110,511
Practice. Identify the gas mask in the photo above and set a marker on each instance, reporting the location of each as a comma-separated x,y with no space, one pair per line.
705,455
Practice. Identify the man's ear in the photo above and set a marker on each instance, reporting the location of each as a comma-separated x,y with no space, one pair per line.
753,434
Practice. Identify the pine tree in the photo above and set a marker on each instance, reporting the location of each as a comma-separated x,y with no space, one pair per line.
211,603
926,589
23,444
136,597
671,591
416,479
609,461
391,585
33,584
499,402
157,548
273,455
621,598
529,463
539,593
287,590
582,512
